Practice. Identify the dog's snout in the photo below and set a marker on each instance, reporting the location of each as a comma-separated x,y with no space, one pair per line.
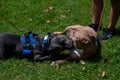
69,44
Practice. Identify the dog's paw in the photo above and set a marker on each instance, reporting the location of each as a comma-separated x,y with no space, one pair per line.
54,64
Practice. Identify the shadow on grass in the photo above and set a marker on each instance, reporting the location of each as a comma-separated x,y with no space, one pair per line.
117,32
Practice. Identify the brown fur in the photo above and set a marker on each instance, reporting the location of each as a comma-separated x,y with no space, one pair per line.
84,38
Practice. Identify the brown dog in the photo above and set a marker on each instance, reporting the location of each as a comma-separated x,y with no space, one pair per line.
85,41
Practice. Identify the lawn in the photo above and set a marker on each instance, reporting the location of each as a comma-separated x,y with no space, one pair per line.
42,16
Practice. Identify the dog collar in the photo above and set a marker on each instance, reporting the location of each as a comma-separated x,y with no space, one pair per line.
45,41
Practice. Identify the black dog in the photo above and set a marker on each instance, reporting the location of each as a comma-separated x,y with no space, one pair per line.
33,46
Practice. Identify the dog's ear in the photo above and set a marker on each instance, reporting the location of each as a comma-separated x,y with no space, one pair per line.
85,41
51,34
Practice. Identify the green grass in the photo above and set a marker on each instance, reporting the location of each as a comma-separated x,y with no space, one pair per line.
30,15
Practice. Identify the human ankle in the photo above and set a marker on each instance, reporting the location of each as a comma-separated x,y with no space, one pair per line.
95,24
112,30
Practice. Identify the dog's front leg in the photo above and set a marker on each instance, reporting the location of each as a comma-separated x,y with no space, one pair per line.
57,62
41,58
37,56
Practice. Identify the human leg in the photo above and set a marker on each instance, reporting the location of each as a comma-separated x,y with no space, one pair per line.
114,15
97,7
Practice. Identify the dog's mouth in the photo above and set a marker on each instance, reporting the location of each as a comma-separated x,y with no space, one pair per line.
61,46
56,48
59,43
76,53
69,44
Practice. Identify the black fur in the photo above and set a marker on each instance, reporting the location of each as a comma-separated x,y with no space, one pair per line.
10,45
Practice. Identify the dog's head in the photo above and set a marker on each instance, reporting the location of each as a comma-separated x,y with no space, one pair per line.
59,43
